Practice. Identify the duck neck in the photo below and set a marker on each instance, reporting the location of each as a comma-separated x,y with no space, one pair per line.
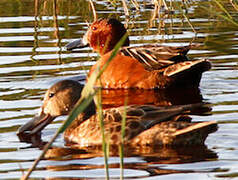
104,48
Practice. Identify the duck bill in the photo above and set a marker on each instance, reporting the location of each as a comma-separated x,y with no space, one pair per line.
36,125
78,44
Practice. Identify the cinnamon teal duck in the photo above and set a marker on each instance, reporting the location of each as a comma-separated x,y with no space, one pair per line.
146,67
146,125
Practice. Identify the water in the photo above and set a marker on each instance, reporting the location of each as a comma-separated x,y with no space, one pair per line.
32,57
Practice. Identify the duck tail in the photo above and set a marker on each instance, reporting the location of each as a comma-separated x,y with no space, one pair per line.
187,72
184,49
199,66
196,133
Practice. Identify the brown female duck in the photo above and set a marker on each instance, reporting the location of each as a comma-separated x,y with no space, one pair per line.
146,67
145,124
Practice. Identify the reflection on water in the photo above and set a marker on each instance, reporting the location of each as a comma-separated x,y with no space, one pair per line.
32,58
113,98
149,157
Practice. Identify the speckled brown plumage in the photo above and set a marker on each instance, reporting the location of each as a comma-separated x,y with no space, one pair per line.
145,125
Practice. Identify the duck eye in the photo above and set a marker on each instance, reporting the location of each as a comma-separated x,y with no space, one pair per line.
51,94
94,28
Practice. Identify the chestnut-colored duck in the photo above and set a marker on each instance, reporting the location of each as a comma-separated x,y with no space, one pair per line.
146,67
145,124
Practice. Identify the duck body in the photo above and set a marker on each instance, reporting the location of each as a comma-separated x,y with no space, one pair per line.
145,124
145,67
131,74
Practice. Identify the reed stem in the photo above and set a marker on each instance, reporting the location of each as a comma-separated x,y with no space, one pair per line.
104,142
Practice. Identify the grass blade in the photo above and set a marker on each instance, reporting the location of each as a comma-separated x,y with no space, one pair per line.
121,147
104,142
223,8
86,98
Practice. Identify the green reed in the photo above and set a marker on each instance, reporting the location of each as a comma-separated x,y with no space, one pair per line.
87,96
226,15
104,142
220,8
105,145
121,146
178,6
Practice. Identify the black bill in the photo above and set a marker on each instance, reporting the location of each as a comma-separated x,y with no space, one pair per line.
35,125
77,44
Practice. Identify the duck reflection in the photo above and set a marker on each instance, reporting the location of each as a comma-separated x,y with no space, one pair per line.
149,159
158,154
114,98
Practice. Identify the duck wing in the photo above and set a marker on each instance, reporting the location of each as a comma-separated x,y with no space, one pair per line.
155,57
141,118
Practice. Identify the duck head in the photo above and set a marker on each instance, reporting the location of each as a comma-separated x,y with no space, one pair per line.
58,100
102,36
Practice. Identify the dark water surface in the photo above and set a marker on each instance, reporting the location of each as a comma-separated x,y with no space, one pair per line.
32,58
